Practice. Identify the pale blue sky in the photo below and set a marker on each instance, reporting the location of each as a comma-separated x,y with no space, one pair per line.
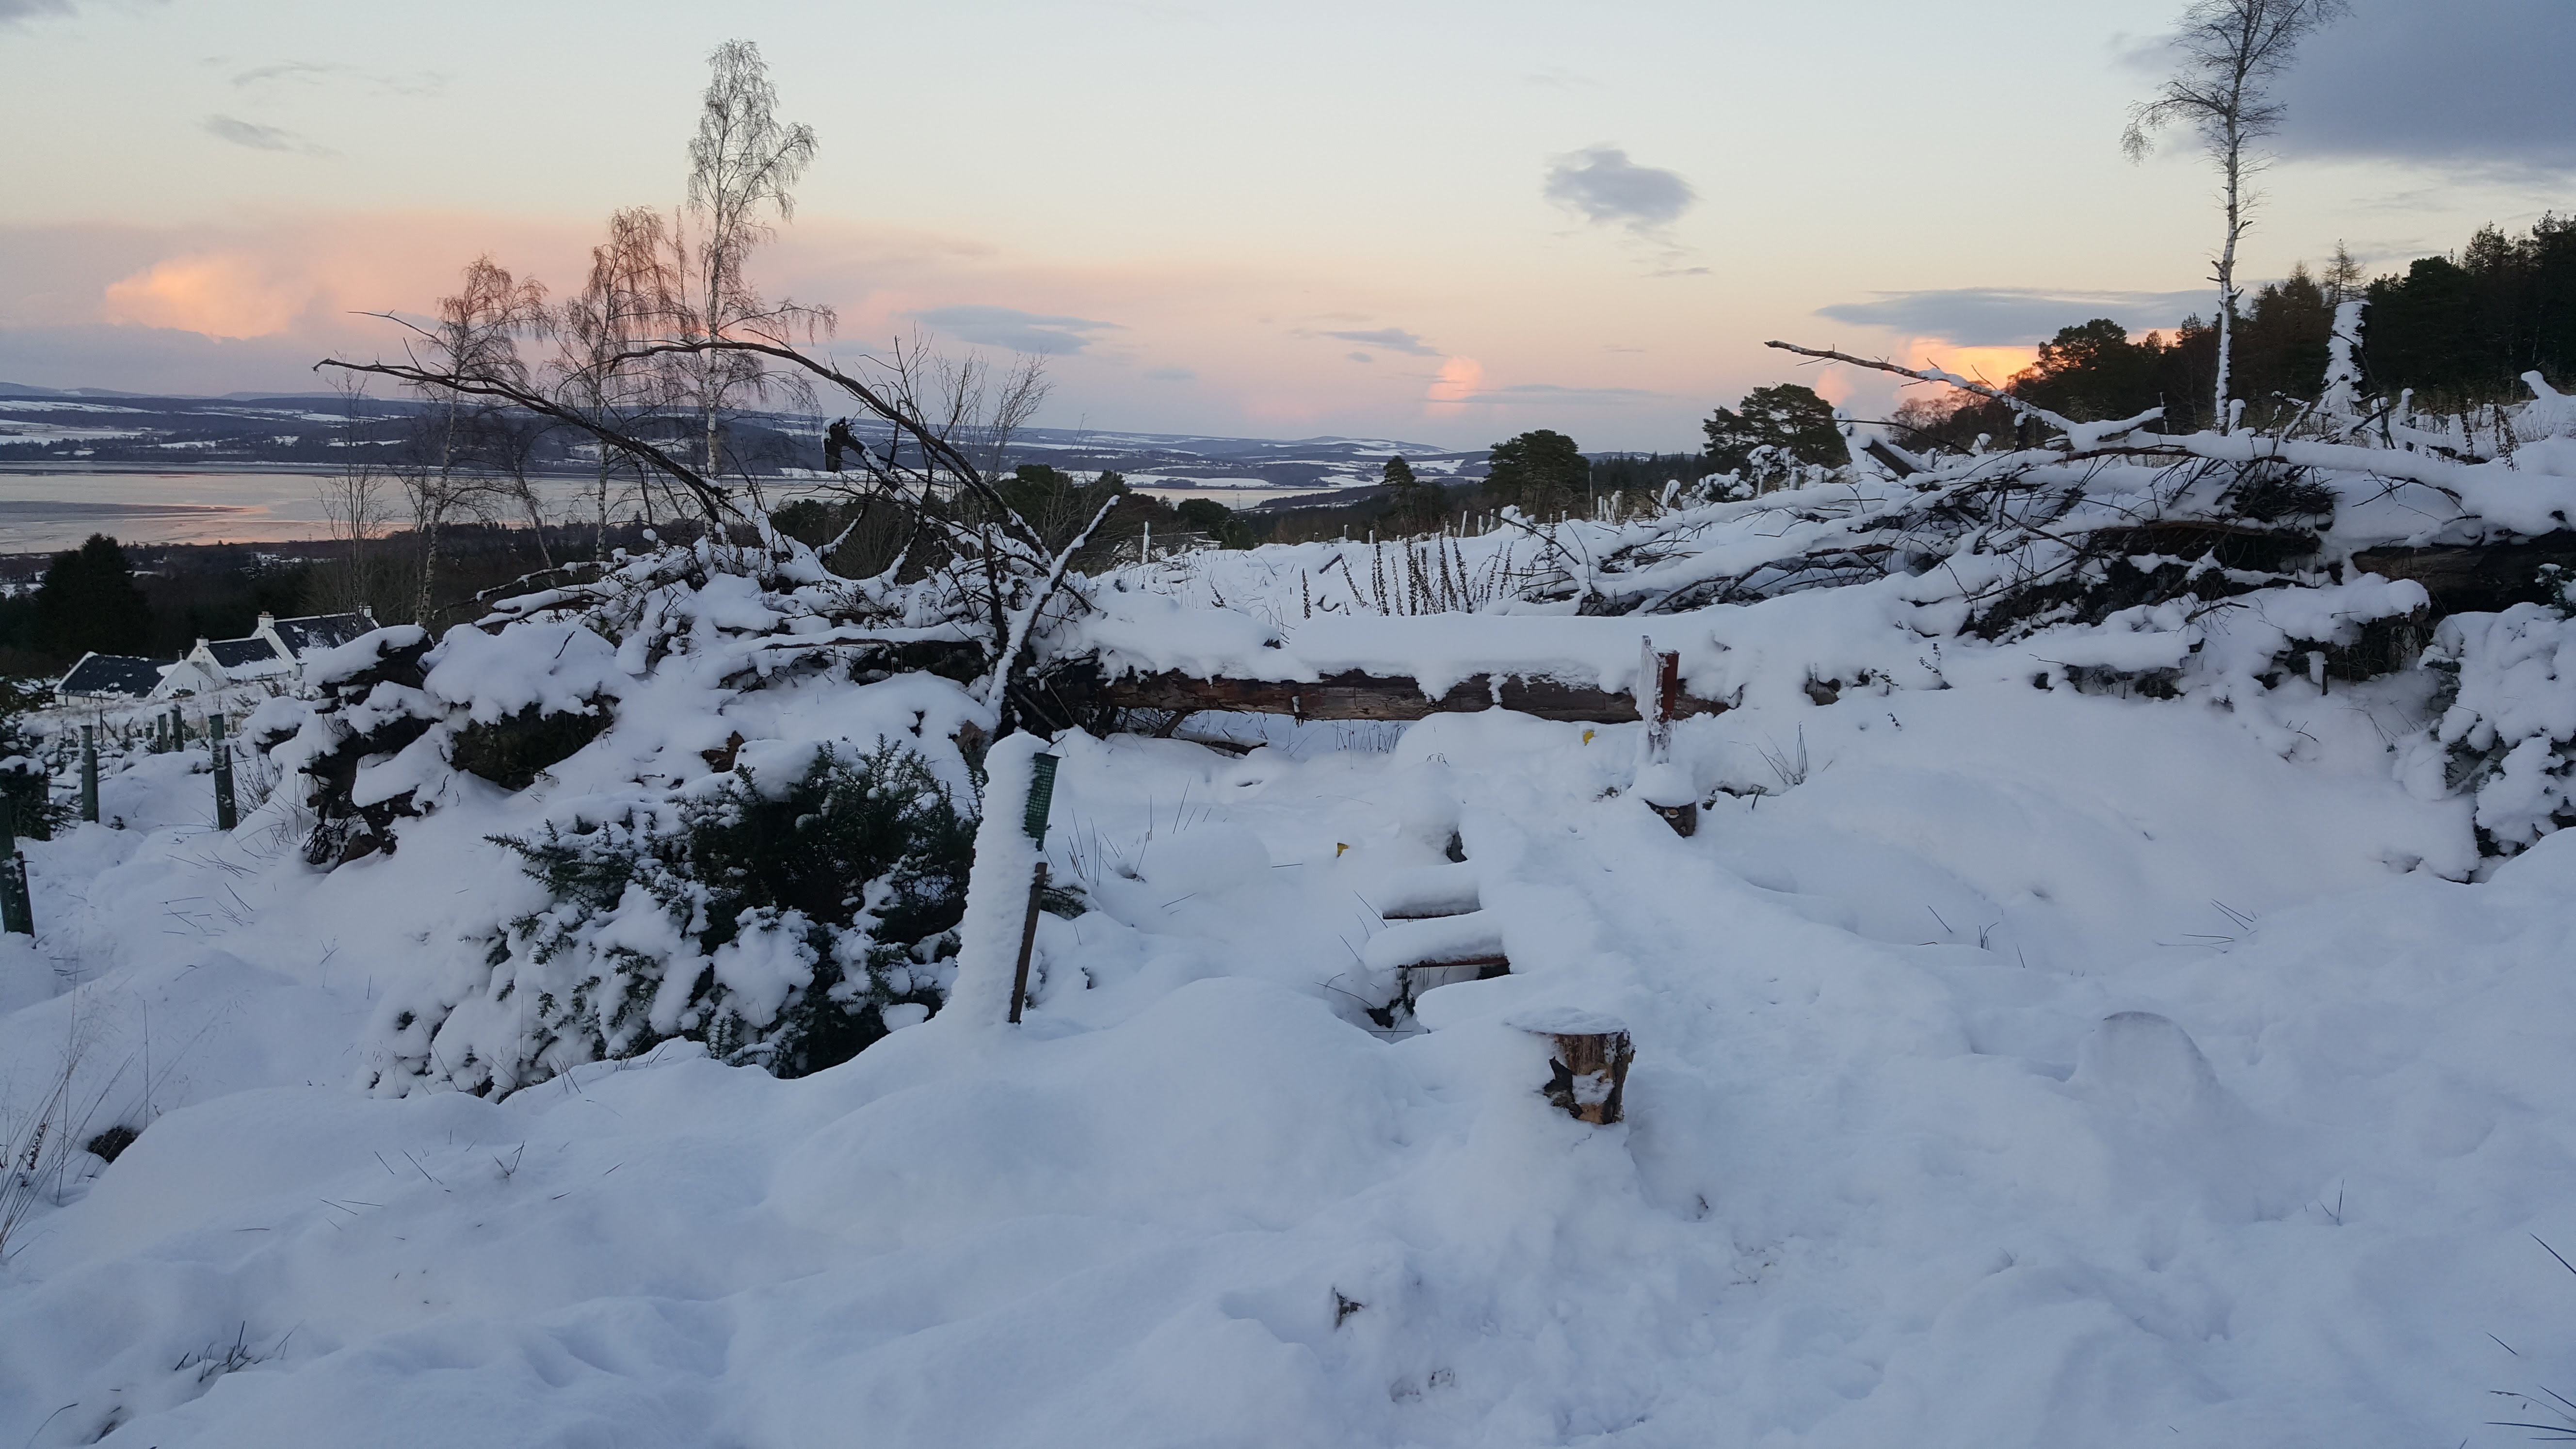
1439,221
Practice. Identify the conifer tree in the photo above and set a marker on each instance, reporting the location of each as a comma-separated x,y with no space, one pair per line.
89,601
1541,472
1790,421
1411,504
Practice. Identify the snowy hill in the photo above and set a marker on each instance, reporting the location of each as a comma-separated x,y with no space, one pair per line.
94,428
2108,999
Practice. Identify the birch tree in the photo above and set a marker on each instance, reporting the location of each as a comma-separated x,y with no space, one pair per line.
743,168
630,296
476,334
2229,53
353,499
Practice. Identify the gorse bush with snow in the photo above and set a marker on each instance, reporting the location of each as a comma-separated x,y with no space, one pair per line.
2507,728
777,924
29,759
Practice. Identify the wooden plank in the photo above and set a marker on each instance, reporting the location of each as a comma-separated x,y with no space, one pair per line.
1451,963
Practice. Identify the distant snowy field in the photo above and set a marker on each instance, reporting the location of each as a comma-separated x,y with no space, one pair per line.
2038,1069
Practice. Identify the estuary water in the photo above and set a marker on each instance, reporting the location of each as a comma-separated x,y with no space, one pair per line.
44,510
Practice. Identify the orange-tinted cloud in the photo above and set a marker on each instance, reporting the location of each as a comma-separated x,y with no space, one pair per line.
1992,365
1242,326
1460,379
1833,383
220,294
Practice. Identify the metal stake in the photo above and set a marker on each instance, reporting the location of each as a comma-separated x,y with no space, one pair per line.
1034,821
17,916
89,773
225,816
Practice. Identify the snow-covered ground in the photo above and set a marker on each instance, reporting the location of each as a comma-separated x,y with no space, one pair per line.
2014,1067
2021,1059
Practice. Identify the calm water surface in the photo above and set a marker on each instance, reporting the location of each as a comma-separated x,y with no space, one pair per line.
42,510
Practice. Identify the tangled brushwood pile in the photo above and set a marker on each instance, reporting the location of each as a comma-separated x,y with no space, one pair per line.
2330,551
743,768
2106,558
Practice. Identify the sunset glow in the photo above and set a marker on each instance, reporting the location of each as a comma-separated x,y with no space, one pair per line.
1460,378
1101,724
218,295
1992,365
1602,248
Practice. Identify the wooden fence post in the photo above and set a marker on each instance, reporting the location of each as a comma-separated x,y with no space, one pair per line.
1034,821
89,773
17,910
226,817
1659,700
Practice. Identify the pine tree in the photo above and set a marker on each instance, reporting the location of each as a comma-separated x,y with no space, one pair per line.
88,601
1541,472
1783,423
1411,504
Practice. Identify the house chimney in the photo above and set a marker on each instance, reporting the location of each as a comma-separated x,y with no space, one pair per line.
266,620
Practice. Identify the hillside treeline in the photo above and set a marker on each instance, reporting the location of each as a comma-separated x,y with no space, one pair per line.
2457,331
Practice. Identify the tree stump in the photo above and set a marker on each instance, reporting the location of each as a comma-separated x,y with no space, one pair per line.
1588,1072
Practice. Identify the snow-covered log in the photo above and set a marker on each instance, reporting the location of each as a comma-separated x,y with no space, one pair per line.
1353,695
2481,577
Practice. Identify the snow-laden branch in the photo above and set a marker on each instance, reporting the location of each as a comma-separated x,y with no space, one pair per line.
1016,642
710,497
2081,437
932,441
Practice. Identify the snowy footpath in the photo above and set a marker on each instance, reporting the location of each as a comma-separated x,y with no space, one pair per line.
2014,1067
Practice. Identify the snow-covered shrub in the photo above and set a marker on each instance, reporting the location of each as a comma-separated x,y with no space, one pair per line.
2509,732
26,778
523,698
776,924
395,715
371,711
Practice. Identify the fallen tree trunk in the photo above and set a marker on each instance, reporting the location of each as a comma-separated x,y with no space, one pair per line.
1353,695
2234,545
2480,578
1065,692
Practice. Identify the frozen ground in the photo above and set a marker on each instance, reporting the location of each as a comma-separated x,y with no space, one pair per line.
2020,1067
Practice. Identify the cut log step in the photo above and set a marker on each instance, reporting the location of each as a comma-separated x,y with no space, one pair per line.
1472,939
1423,893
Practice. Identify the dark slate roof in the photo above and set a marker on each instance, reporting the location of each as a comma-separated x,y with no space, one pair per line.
320,631
112,674
234,653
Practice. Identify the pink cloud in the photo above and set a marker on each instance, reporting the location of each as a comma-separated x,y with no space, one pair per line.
1460,378
220,294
